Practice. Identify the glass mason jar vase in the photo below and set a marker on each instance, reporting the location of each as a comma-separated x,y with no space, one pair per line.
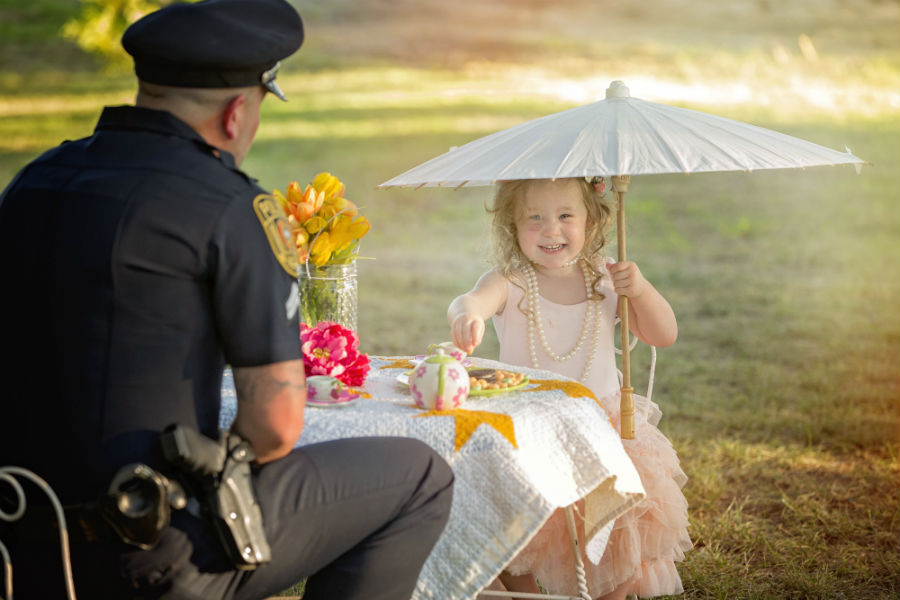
328,293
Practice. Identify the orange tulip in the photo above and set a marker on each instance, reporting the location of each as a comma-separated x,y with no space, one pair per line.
303,252
294,195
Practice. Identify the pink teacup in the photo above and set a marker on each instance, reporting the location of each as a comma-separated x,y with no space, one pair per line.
324,390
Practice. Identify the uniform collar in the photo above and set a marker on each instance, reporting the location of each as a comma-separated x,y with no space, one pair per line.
136,118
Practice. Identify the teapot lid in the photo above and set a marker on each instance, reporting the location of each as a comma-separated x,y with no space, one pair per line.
439,357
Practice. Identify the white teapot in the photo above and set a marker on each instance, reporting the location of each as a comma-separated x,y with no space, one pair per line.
439,382
450,349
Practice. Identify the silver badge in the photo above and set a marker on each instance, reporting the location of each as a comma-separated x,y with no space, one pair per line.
292,304
267,79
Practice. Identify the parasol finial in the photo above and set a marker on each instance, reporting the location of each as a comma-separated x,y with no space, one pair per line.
618,89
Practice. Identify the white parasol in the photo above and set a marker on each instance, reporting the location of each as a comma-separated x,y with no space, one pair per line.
619,137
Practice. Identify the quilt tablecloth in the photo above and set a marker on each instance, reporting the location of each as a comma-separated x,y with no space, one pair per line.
516,456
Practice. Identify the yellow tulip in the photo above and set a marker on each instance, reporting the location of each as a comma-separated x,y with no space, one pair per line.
329,185
345,207
327,212
314,225
340,232
321,249
347,230
281,200
360,227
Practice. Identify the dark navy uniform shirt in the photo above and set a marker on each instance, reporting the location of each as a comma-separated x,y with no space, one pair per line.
135,264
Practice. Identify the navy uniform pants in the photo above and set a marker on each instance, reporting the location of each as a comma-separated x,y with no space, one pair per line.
358,517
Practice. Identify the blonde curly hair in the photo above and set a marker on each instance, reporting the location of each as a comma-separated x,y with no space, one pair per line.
509,258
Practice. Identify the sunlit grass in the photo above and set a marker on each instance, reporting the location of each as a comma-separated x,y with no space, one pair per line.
484,97
374,126
790,521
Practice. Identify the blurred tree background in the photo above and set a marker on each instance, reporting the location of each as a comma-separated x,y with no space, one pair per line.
99,26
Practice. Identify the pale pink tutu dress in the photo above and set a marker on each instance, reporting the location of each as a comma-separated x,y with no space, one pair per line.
647,540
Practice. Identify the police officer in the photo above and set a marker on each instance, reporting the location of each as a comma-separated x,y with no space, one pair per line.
136,263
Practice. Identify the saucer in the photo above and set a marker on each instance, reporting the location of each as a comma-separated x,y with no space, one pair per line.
333,403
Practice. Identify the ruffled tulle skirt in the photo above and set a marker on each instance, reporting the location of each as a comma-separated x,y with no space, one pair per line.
645,542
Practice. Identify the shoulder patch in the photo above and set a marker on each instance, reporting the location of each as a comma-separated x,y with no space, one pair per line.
278,231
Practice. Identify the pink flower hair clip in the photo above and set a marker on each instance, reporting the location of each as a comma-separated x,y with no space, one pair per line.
598,182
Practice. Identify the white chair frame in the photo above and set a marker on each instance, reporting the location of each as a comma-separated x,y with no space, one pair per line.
8,475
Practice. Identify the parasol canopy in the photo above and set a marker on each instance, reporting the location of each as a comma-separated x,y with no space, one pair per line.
618,137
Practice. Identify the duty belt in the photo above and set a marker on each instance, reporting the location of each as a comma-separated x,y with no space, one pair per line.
136,510
39,525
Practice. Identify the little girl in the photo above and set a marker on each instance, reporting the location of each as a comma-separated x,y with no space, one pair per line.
553,299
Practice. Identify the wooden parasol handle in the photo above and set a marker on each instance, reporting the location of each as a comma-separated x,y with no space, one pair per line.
626,407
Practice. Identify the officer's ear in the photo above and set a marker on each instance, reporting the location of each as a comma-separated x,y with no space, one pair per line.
233,116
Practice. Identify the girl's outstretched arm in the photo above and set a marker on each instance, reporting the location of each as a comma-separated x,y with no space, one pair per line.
467,313
650,317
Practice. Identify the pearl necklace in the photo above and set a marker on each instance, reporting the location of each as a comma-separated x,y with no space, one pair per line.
591,317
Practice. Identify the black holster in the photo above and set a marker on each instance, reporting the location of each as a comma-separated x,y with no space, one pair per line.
218,471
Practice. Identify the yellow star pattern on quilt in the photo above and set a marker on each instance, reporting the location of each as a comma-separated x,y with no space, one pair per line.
467,421
572,389
399,363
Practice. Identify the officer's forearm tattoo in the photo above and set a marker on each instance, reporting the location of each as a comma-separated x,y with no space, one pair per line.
254,384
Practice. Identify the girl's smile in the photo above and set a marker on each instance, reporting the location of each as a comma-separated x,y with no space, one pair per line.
554,248
551,224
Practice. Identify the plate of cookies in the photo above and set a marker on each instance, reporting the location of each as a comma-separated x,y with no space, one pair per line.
487,382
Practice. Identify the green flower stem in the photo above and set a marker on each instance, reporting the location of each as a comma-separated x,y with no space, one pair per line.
328,293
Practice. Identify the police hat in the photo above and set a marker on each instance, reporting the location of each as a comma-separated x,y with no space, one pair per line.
215,43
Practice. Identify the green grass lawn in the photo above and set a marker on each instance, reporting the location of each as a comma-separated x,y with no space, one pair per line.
782,394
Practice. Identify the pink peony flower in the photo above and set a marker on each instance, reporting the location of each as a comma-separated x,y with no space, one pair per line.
330,349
